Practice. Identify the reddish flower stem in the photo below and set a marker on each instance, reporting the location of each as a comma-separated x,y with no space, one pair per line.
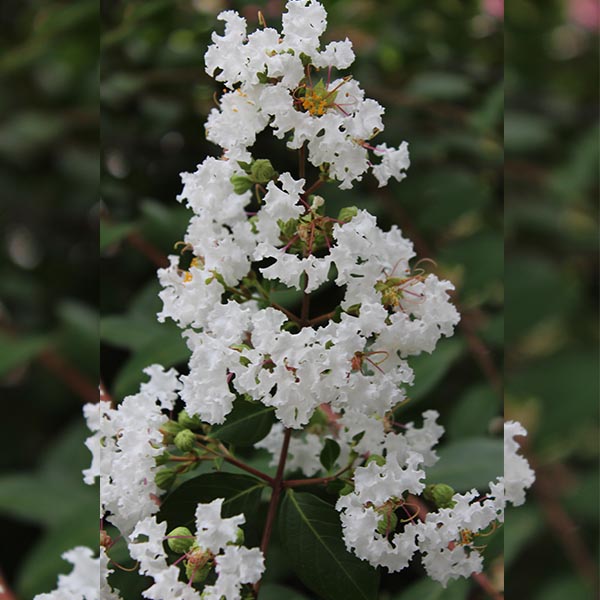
273,504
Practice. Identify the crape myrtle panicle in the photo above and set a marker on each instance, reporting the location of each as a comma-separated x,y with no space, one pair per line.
333,379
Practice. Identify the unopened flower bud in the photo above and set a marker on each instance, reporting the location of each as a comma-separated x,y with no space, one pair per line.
262,171
170,429
440,494
165,478
185,440
188,422
241,184
180,540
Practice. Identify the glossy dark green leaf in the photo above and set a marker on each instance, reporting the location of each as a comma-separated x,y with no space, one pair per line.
473,412
242,494
430,369
427,589
468,463
248,423
329,454
273,591
311,535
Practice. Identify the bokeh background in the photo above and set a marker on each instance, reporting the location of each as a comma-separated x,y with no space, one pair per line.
500,111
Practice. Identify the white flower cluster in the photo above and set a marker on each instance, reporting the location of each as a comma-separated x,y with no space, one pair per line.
127,441
254,231
447,539
235,565
82,582
273,80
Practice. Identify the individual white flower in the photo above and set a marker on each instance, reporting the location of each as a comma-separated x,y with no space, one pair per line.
518,475
394,163
214,532
236,566
82,583
302,24
146,546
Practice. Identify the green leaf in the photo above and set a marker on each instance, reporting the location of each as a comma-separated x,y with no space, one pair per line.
111,233
166,348
273,591
329,454
473,413
470,463
248,423
42,499
126,331
427,589
15,352
242,494
430,369
312,537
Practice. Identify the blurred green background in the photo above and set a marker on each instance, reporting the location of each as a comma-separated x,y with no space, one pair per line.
488,183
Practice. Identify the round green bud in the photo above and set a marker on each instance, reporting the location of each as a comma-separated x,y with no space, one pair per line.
188,422
241,183
170,429
440,494
180,540
165,478
376,458
262,171
185,440
387,524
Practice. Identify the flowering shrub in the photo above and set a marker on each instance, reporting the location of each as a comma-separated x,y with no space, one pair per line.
319,392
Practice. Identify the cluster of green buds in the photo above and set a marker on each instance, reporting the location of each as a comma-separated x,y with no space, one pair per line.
258,172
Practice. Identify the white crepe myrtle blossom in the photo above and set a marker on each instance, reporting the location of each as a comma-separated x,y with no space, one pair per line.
448,539
336,380
215,545
518,475
82,583
273,79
